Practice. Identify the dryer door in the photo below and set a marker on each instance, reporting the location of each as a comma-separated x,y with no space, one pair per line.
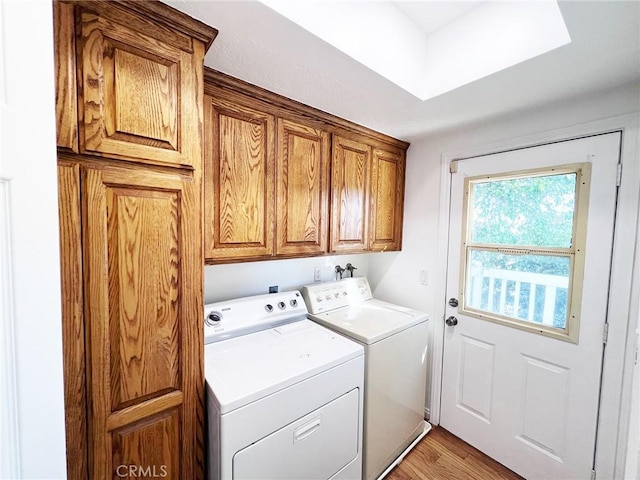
317,446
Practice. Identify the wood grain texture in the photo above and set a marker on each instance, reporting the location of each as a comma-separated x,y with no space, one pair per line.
442,456
282,106
297,226
65,74
386,200
143,248
239,181
167,23
151,448
73,333
302,200
152,116
142,266
140,89
350,167
195,354
137,99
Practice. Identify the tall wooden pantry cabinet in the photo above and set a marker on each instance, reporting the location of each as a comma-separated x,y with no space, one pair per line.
129,113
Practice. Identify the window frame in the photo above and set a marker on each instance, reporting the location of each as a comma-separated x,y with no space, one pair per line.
575,253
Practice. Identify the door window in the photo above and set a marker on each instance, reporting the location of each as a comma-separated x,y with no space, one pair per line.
523,249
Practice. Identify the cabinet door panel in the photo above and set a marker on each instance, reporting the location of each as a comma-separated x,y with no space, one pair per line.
150,449
144,322
138,96
302,189
239,187
387,194
350,174
142,307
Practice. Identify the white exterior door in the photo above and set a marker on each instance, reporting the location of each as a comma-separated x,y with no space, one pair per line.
531,236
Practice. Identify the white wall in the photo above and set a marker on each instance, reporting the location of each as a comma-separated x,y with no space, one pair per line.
223,282
395,276
28,156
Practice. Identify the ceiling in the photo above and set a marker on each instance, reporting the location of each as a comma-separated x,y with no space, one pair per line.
431,16
260,46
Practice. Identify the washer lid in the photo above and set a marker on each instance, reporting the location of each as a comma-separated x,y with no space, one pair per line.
370,321
241,370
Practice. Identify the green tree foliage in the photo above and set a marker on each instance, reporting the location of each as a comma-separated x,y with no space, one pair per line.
523,213
526,212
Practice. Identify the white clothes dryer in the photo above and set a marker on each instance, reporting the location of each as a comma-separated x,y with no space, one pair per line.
284,394
395,343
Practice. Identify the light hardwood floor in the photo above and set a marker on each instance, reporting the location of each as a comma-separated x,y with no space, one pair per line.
442,456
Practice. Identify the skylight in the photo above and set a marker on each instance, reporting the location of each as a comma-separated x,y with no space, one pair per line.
483,38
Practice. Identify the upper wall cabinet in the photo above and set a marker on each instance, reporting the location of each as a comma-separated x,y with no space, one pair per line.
317,185
350,181
132,102
387,187
302,183
239,186
129,91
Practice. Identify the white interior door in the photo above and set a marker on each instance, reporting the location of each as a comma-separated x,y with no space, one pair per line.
530,246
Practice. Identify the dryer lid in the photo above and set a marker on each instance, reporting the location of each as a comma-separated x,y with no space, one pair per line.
241,370
371,321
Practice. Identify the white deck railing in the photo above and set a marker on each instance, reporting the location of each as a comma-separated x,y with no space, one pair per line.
550,283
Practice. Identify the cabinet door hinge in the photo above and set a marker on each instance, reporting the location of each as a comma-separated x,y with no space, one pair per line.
453,167
619,175
605,333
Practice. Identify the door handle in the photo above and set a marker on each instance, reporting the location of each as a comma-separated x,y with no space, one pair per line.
307,430
451,321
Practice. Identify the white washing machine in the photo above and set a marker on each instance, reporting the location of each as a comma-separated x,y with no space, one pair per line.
395,343
284,395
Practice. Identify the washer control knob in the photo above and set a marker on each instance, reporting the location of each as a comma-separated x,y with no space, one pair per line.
213,319
282,305
268,307
293,303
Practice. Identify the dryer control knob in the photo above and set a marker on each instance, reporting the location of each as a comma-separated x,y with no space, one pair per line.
282,305
293,303
268,307
213,319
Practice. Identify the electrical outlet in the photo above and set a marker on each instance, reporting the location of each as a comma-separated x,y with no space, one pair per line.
316,274
424,277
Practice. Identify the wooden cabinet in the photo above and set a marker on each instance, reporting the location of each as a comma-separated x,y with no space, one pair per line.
302,183
238,181
129,80
130,185
65,73
266,184
386,202
137,98
73,328
350,170
367,197
316,185
142,312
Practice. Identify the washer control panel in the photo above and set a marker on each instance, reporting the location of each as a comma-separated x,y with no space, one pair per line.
224,320
327,296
